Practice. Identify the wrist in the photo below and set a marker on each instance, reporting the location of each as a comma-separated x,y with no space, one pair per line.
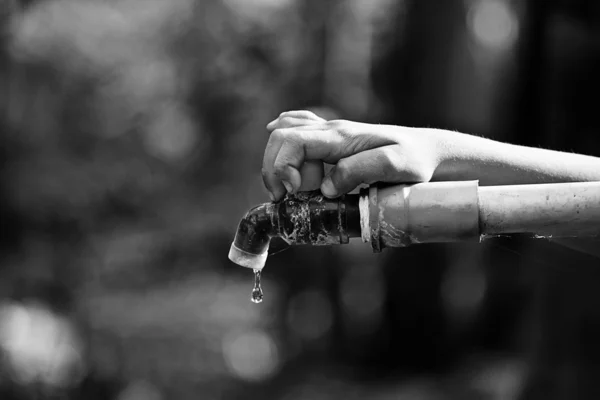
442,145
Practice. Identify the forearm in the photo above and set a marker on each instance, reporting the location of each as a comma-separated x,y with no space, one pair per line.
466,157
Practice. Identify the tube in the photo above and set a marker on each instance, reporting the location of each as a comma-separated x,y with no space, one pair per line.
403,215
546,210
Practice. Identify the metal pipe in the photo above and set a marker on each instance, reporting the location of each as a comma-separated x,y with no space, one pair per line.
402,215
306,218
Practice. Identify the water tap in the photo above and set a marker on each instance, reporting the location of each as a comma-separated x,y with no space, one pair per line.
307,218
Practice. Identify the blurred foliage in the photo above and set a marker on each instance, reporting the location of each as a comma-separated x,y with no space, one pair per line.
132,136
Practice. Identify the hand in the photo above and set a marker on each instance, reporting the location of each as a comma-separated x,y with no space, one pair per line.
360,153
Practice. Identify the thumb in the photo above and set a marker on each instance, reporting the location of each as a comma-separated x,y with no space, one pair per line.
311,174
382,164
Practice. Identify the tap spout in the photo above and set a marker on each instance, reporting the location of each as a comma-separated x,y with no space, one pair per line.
305,218
251,243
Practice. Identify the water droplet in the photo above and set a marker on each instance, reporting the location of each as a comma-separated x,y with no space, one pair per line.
257,293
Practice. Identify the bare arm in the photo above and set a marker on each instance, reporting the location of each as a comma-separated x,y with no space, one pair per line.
466,157
365,153
368,153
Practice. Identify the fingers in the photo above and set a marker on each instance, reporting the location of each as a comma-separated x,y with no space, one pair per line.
383,164
284,156
310,177
288,149
290,119
273,184
276,186
287,164
301,136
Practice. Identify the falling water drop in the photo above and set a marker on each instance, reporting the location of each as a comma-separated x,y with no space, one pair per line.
257,293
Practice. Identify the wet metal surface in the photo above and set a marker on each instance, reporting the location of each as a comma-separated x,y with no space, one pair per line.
306,218
310,218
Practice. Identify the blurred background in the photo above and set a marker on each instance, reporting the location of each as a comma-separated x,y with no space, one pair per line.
133,133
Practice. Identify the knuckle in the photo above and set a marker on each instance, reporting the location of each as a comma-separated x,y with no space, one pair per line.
279,168
285,121
305,114
264,173
290,114
291,139
336,123
278,134
342,128
294,138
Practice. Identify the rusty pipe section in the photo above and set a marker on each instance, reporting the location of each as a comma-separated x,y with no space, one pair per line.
307,218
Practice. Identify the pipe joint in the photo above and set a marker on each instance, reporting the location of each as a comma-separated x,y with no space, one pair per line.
403,215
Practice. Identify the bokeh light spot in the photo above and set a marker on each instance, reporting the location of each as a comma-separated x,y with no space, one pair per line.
251,355
362,295
493,23
464,292
42,347
171,135
140,390
310,315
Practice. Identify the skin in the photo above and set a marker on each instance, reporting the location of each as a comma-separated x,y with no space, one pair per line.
300,142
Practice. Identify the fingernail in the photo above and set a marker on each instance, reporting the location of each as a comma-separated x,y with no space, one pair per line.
271,196
327,187
288,186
